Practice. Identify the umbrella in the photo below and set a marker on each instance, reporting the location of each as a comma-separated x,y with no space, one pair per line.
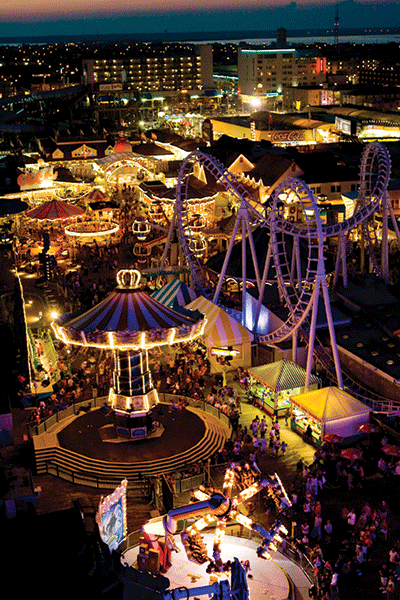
351,453
368,428
333,438
391,450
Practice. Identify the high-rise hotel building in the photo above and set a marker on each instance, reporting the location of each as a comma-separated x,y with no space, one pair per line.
155,68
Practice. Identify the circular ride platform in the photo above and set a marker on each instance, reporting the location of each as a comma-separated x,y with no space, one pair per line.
77,446
183,429
268,579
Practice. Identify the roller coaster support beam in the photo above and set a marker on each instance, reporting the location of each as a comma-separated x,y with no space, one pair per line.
227,256
384,242
321,283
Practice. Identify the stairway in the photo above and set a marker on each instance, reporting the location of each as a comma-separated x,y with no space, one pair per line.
53,459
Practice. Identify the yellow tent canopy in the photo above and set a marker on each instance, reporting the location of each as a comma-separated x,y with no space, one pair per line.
336,410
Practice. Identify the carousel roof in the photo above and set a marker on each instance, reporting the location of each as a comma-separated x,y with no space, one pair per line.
54,210
129,318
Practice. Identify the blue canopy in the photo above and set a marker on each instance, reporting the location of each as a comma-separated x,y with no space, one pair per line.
174,294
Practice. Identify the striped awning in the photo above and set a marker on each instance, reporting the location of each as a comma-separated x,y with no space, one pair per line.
282,375
129,318
174,294
221,330
55,210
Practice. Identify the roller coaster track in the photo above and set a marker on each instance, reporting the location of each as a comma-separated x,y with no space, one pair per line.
300,293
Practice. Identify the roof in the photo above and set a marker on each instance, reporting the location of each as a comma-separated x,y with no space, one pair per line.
96,194
270,168
282,375
55,210
330,404
122,317
221,330
151,149
174,294
11,206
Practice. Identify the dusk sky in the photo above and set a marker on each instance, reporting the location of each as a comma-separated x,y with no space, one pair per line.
52,17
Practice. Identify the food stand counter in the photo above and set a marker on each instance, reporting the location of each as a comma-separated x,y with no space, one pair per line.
275,383
303,424
273,403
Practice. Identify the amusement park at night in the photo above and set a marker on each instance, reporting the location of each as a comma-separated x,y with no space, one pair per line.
206,389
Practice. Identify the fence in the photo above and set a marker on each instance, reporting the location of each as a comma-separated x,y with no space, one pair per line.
66,413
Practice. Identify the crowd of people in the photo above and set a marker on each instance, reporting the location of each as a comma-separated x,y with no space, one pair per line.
342,541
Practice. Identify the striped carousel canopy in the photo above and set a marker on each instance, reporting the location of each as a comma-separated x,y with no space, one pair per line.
129,318
55,210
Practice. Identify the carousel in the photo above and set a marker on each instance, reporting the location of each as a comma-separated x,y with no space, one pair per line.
130,323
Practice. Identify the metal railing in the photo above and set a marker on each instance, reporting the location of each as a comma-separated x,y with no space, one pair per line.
79,475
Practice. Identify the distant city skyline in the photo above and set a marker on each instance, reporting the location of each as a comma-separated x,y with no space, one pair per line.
80,17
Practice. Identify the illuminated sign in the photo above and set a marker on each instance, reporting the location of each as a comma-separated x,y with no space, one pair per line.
111,517
224,352
36,179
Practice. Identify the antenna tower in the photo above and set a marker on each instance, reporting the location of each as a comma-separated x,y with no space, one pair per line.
336,28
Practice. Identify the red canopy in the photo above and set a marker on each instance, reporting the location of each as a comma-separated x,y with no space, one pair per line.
369,428
55,210
333,438
96,195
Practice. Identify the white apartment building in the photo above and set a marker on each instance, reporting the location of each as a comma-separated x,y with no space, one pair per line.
264,73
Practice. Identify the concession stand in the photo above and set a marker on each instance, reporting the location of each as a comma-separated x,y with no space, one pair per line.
326,411
272,385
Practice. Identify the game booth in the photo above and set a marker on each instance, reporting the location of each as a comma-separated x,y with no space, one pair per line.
328,410
274,384
223,335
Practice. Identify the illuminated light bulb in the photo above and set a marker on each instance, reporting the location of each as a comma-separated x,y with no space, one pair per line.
283,529
200,495
243,520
